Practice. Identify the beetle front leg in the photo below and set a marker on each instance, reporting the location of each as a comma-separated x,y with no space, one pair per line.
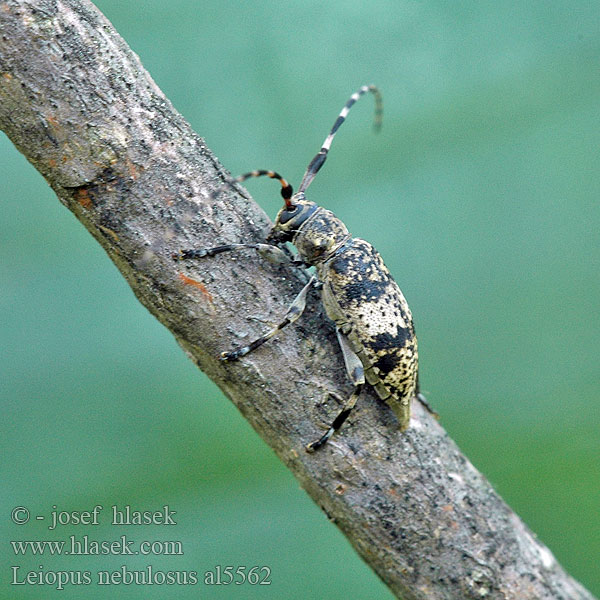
293,314
272,253
356,373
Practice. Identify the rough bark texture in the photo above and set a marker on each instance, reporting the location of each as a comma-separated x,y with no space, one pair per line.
76,101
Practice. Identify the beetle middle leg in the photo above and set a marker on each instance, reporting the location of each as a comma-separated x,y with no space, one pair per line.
356,373
293,314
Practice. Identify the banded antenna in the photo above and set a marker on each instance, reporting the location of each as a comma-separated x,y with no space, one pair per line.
317,162
286,188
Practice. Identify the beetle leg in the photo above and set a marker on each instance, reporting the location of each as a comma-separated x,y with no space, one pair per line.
272,253
421,398
356,373
293,314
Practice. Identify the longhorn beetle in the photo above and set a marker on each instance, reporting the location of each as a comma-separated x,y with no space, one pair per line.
373,321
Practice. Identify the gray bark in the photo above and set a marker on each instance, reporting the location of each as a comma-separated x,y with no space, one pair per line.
78,104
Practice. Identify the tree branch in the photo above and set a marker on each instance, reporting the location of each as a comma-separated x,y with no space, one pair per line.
77,102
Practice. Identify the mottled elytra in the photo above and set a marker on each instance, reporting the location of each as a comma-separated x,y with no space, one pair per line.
373,321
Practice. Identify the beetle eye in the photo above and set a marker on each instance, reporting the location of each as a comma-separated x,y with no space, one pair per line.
289,213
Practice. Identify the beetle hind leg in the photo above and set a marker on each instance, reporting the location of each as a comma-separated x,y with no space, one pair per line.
421,398
337,422
356,373
424,402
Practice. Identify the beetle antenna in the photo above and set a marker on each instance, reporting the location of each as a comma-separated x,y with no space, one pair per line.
286,188
317,162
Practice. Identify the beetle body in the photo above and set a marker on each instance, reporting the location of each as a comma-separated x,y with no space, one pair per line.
361,297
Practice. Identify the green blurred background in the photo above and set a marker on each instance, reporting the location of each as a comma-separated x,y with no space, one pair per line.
482,194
